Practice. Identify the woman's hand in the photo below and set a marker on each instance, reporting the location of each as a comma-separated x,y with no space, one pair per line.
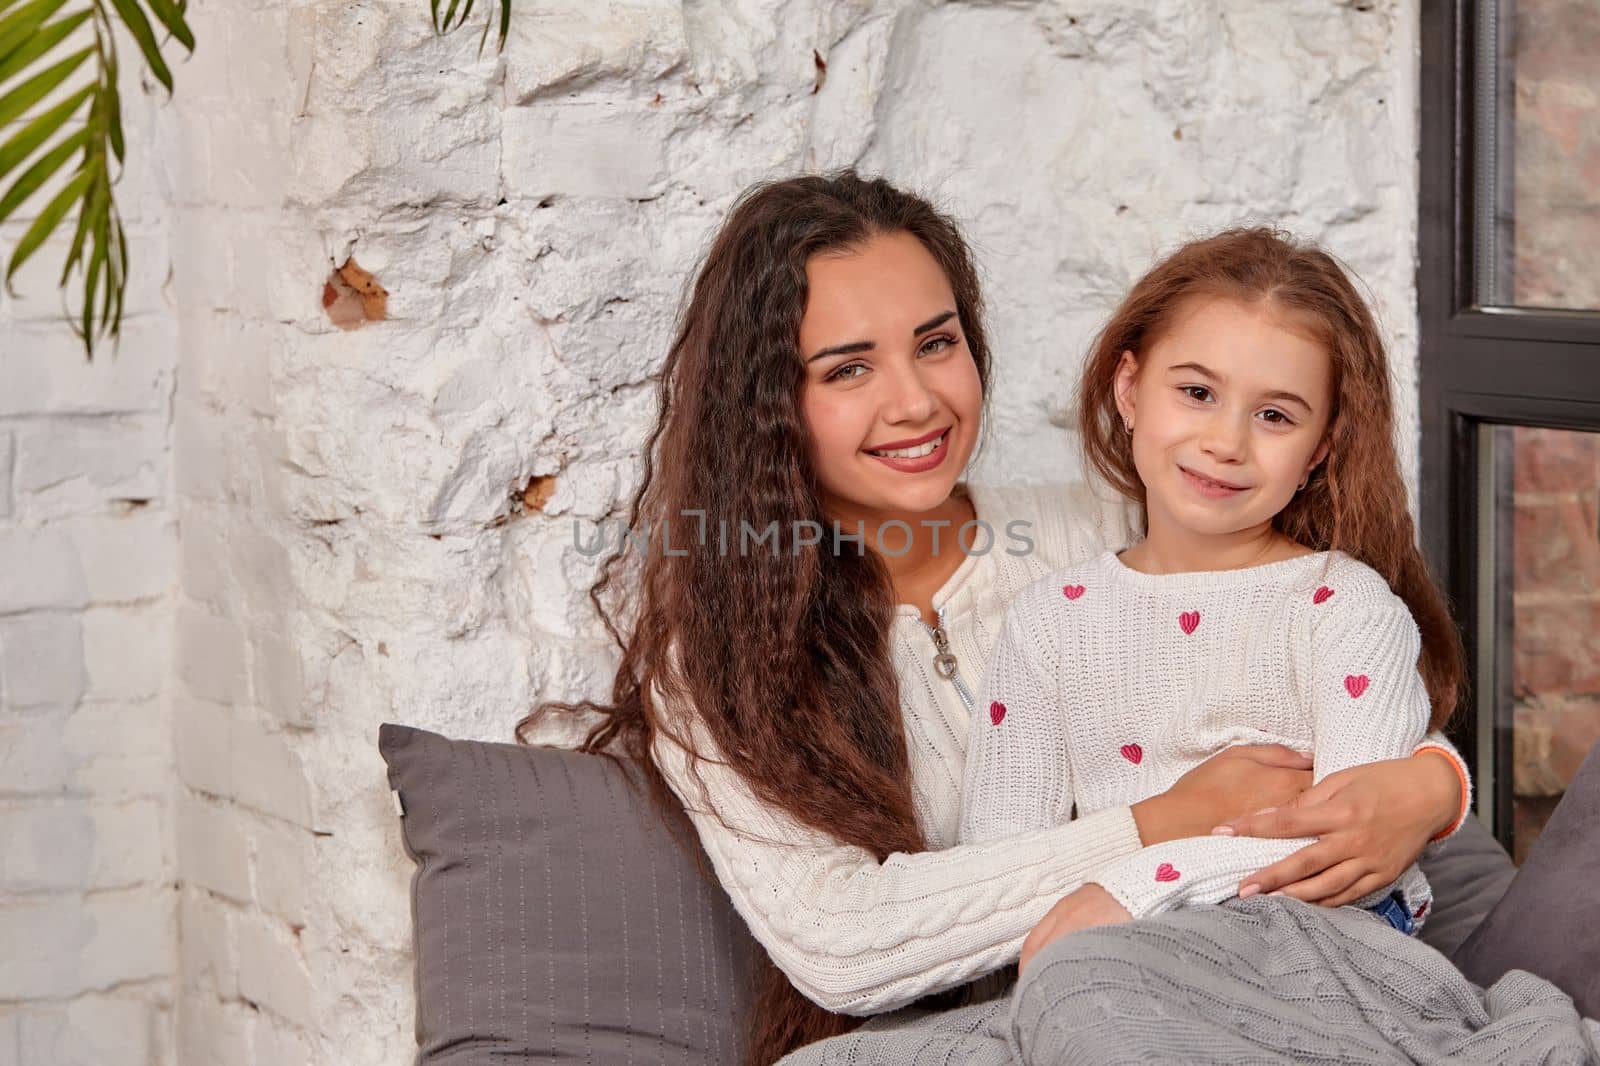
1372,821
1230,784
1085,908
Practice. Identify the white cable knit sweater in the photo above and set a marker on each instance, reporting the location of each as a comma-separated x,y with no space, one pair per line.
1108,684
862,937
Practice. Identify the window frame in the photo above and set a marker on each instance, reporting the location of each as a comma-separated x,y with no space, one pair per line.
1466,380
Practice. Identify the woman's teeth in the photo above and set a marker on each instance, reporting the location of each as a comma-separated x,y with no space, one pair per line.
927,448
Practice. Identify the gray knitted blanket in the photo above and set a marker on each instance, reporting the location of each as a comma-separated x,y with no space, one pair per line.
1253,981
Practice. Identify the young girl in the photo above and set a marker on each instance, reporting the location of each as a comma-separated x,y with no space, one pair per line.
1241,395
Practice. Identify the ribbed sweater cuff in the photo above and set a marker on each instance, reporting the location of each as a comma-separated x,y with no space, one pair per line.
1095,839
1443,747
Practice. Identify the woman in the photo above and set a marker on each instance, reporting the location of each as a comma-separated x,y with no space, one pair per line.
800,650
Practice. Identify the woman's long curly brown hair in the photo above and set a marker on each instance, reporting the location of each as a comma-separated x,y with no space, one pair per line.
1355,501
784,656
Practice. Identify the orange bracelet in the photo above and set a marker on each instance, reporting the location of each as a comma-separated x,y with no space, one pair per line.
1466,788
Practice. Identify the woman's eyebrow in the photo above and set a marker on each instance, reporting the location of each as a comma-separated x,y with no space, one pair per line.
866,346
843,349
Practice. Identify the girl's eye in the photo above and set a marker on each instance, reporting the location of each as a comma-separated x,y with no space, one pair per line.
934,345
1276,417
1196,392
843,373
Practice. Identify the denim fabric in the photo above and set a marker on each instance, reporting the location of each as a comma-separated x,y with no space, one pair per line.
1393,910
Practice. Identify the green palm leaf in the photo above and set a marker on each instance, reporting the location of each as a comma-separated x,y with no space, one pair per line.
36,88
456,13
42,171
133,17
53,62
53,213
39,43
38,131
170,15
21,24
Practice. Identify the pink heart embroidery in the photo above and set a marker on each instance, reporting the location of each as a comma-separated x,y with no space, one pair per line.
1133,753
1072,592
1188,621
1165,872
1355,684
997,712
1321,595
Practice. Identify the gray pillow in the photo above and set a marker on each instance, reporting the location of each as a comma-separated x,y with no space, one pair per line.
1546,924
1469,873
556,917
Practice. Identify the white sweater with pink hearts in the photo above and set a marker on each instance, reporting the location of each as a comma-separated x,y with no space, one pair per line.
860,936
1108,684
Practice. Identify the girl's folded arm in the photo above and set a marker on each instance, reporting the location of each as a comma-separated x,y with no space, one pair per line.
1368,702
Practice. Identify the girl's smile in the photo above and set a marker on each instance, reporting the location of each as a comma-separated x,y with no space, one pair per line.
1211,488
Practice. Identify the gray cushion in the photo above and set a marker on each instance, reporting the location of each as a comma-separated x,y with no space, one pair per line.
556,917
1546,924
1469,873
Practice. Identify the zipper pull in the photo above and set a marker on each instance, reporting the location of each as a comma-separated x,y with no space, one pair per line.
944,664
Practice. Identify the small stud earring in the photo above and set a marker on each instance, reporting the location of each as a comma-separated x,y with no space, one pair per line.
1127,423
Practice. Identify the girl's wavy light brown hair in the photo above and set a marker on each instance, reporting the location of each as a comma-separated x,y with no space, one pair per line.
1355,501
785,657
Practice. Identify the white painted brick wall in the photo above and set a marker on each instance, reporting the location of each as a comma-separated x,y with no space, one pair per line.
1074,142
88,539
102,1030
7,459
332,537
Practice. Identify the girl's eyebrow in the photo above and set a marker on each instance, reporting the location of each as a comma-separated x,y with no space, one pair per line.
866,346
1277,394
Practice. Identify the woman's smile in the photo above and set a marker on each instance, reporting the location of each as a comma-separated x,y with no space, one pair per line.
916,456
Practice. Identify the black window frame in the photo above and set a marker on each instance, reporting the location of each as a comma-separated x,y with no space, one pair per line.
1479,365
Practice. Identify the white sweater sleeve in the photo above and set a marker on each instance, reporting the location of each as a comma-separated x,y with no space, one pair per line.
858,936
1368,703
1019,772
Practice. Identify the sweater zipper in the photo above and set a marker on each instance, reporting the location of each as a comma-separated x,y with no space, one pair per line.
944,663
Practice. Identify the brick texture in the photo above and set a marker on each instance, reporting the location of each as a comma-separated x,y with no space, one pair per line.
1555,624
1554,262
88,539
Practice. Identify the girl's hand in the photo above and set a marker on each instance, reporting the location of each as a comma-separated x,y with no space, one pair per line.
1085,908
1230,784
1372,821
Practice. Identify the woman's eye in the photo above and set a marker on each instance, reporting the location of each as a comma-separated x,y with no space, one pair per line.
936,344
1196,392
844,373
